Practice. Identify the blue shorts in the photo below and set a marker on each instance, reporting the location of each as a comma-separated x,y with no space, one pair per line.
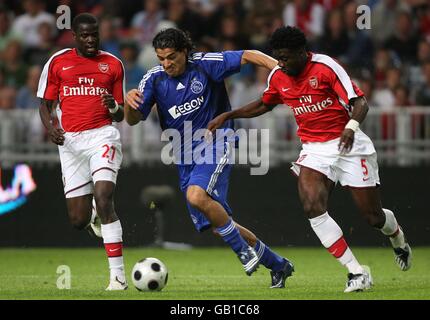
213,178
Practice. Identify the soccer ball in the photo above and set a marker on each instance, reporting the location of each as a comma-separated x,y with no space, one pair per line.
149,274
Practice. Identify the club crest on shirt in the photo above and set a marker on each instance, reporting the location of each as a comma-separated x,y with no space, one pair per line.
103,67
313,82
196,86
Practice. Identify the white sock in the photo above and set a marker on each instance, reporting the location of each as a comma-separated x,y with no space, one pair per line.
331,237
112,238
392,229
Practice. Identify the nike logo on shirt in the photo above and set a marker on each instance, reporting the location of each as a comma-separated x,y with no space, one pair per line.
67,68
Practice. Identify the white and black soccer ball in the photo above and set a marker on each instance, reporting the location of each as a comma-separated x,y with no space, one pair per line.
149,274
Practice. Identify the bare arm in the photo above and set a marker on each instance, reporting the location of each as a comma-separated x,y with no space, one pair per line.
45,112
359,112
251,110
258,58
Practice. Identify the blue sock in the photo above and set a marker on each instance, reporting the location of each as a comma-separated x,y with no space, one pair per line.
231,235
268,258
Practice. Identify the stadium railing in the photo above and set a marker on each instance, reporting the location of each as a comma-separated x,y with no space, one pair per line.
401,136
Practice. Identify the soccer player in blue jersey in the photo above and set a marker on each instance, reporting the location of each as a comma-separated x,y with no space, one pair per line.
189,88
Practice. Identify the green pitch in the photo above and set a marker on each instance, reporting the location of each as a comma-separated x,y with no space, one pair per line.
209,273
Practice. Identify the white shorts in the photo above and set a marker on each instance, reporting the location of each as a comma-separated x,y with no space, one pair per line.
89,156
358,168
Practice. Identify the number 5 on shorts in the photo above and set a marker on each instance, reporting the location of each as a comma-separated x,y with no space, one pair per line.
364,166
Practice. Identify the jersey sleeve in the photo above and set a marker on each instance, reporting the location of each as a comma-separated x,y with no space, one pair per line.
49,83
271,95
119,84
341,83
146,87
220,65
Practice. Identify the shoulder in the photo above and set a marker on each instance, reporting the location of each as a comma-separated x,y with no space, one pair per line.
326,62
152,75
200,57
58,56
274,74
109,57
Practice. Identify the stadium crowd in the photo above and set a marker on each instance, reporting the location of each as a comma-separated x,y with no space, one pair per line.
390,61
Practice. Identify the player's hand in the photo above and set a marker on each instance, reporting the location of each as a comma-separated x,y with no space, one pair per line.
108,101
216,122
56,135
134,98
346,141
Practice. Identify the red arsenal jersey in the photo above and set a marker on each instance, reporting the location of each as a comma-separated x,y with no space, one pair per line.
319,97
77,83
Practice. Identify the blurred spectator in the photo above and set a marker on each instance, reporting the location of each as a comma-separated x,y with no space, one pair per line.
416,75
185,19
109,35
41,53
382,61
7,98
307,15
423,93
6,33
401,96
133,72
230,31
146,23
360,49
12,65
384,97
27,25
384,15
225,8
27,95
404,41
334,42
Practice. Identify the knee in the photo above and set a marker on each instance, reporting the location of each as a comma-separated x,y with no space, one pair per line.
374,217
313,207
196,196
78,221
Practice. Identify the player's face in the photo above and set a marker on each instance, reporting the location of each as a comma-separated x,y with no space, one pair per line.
173,62
291,62
87,39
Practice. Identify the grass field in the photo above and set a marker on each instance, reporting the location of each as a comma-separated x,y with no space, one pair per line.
209,273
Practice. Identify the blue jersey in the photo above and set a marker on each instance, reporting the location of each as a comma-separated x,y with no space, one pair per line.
198,95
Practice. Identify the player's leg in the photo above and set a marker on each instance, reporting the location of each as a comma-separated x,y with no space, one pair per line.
369,205
79,210
281,268
105,163
219,219
314,191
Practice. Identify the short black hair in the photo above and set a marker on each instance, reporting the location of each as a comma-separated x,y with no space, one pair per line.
83,18
173,38
287,37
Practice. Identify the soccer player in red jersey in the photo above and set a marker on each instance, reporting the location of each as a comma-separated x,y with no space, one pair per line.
328,108
89,87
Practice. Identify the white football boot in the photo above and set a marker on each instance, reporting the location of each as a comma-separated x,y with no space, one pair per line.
359,282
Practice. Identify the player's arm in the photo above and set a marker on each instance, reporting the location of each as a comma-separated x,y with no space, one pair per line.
116,111
45,111
251,110
258,58
132,100
359,112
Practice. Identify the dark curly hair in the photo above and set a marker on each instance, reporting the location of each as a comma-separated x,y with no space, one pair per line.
173,38
287,37
85,18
